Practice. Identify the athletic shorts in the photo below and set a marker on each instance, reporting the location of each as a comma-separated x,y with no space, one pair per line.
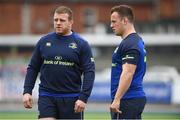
58,107
131,109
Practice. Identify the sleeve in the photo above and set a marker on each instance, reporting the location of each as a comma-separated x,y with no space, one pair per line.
88,67
33,70
131,56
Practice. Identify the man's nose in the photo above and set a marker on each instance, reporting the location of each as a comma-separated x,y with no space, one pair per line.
58,22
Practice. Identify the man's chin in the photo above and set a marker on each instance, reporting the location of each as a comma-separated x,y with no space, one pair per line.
117,34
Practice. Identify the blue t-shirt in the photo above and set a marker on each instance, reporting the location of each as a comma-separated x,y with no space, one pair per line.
61,61
131,50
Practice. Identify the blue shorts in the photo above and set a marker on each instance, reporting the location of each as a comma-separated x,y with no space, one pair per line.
58,107
131,109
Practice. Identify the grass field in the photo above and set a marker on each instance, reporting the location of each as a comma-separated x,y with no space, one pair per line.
88,116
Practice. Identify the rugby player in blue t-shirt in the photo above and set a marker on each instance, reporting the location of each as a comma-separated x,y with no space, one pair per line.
61,57
128,67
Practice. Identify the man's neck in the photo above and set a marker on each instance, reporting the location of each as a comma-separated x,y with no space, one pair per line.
129,29
65,34
69,33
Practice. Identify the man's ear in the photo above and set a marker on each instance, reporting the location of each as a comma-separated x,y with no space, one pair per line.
71,22
125,20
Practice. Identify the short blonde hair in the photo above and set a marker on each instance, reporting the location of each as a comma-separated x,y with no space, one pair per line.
64,9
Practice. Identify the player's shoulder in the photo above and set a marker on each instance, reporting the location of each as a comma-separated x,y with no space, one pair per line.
132,41
133,37
48,35
79,38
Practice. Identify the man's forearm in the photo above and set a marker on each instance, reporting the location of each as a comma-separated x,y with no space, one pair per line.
125,80
87,86
124,84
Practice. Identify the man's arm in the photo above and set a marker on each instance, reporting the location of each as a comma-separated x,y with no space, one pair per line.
88,69
32,72
124,83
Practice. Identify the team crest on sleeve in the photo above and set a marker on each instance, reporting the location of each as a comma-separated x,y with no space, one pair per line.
127,57
72,45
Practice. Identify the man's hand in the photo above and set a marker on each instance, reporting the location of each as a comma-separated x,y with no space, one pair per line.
27,100
79,106
114,107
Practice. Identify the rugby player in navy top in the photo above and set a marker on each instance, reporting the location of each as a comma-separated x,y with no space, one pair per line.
62,58
128,67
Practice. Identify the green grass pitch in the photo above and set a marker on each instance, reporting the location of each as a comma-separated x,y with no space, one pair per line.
88,116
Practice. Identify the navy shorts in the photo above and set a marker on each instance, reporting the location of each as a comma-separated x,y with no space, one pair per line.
131,108
58,107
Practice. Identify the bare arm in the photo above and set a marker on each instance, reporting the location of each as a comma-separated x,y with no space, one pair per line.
124,83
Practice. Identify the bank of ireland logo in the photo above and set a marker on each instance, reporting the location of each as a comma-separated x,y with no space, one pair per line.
73,45
58,58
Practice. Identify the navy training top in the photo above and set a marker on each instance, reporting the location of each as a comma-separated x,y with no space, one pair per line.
61,61
131,50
